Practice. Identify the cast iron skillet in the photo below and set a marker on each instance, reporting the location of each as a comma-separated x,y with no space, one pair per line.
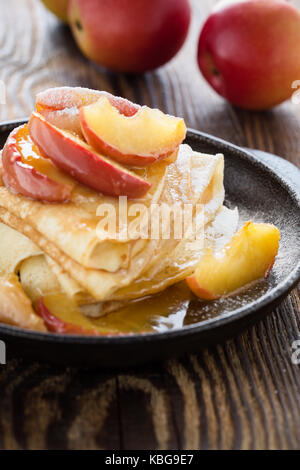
261,194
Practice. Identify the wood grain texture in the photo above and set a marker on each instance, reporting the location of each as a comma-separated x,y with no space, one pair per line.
242,395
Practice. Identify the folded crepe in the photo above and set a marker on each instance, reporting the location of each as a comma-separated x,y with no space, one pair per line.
64,247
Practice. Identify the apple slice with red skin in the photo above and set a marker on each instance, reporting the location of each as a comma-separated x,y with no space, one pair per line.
60,106
56,325
248,257
138,140
23,178
78,159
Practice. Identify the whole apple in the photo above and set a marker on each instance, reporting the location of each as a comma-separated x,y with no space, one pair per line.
130,36
59,8
249,52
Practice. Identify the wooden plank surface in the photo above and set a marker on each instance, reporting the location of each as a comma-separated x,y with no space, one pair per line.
242,395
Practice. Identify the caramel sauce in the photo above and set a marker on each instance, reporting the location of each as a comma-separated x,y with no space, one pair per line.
171,309
161,312
31,155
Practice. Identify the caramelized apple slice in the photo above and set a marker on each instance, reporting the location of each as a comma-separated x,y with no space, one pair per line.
57,311
249,256
77,158
139,140
16,308
60,106
27,172
56,325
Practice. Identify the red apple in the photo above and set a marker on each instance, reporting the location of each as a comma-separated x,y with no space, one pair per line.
138,140
58,7
249,52
27,172
78,159
130,35
60,106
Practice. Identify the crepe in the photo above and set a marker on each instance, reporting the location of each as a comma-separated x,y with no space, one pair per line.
78,253
73,226
14,248
19,255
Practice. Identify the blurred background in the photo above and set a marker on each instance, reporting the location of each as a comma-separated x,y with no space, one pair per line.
38,51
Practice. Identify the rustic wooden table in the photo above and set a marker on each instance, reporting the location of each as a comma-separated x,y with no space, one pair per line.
244,394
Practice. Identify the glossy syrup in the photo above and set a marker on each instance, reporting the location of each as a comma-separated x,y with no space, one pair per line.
169,310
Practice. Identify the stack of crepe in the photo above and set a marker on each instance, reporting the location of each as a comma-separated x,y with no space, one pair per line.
64,248
59,248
